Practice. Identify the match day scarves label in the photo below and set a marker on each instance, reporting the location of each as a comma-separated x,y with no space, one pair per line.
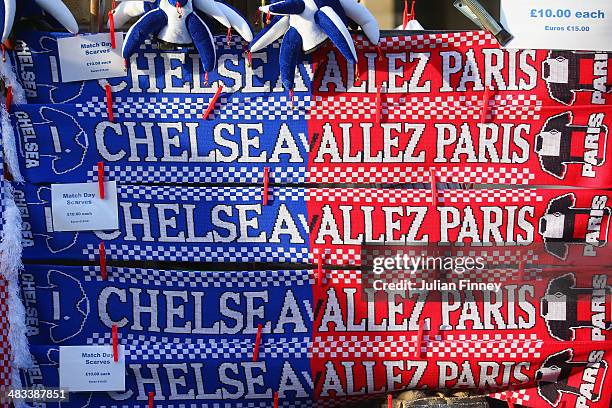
454,103
549,332
299,225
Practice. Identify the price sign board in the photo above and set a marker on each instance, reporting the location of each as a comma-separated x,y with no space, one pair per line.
558,24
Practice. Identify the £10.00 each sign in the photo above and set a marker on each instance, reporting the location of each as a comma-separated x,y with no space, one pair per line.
558,24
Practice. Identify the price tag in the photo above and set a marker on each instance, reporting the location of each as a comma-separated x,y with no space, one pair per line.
91,368
558,24
78,207
84,57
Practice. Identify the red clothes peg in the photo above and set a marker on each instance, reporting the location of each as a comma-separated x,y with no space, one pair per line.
101,179
115,343
257,342
111,24
9,98
378,103
320,270
213,101
419,341
102,253
109,102
266,183
485,105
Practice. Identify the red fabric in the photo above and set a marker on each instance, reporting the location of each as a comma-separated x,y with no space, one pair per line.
434,95
487,341
343,219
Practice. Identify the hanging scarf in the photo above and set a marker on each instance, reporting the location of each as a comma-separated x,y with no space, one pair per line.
474,113
230,224
331,337
13,341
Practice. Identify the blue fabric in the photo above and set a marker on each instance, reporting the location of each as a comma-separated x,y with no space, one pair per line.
150,23
290,55
202,39
208,382
334,4
212,224
335,35
36,63
74,305
24,8
164,141
196,317
288,7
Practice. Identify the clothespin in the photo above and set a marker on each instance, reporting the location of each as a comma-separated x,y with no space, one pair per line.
434,187
9,98
266,182
276,399
151,398
115,344
102,254
419,341
249,56
213,101
109,102
257,342
357,75
389,401
320,270
485,105
433,179
3,52
228,37
378,103
405,15
101,179
510,401
111,24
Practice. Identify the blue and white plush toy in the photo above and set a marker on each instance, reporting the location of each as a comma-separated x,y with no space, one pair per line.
12,10
307,23
178,22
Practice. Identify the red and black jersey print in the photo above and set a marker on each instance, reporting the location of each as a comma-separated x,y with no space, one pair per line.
564,224
569,72
561,373
561,142
560,307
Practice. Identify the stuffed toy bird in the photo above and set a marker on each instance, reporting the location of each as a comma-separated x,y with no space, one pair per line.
13,10
178,22
306,24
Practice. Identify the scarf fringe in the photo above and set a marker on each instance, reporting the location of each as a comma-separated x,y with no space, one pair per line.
10,265
7,73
